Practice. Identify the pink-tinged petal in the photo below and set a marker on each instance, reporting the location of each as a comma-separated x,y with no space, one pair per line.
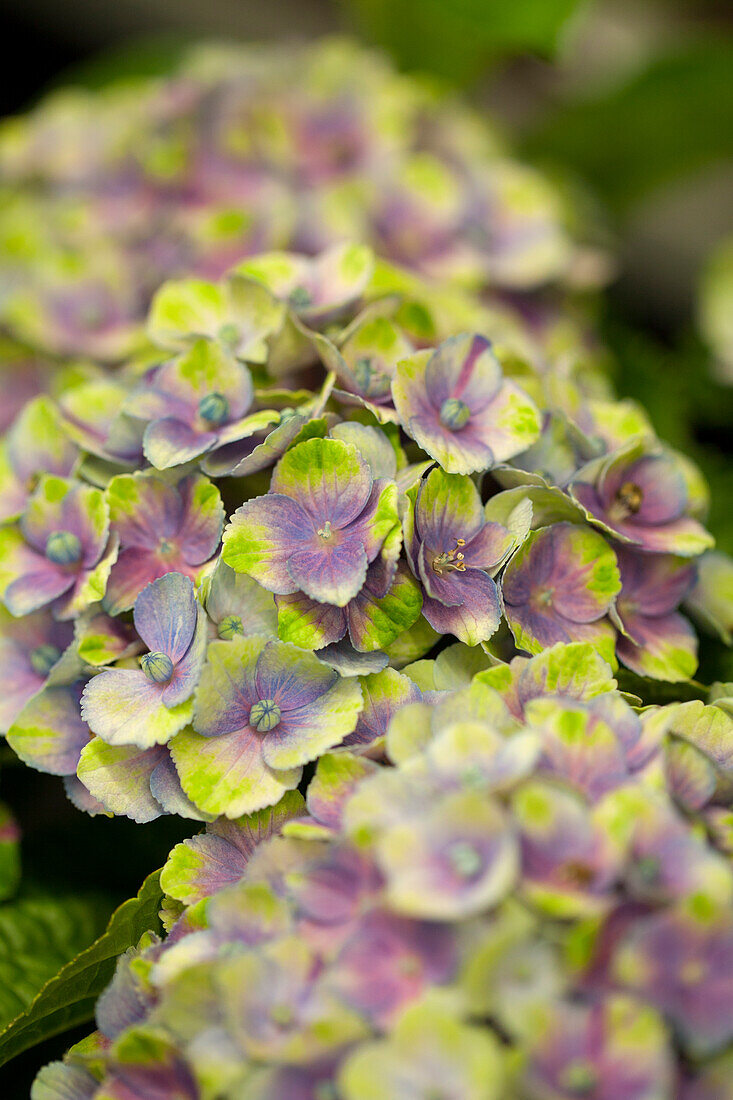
388,961
133,570
510,423
291,678
257,452
457,452
143,510
328,478
169,442
49,732
165,787
187,672
587,496
84,800
684,537
463,367
663,488
201,521
478,614
439,586
653,585
165,615
261,537
306,733
330,571
489,547
384,693
38,587
663,647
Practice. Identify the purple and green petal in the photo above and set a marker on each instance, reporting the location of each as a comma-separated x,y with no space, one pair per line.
430,1052
559,586
458,860
124,707
102,640
118,776
304,734
227,775
166,614
218,857
238,313
236,604
49,733
162,528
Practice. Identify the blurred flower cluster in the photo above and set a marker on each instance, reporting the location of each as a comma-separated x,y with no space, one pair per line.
317,471
521,889
106,193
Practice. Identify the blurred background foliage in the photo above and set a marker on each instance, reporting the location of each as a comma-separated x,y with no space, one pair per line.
628,100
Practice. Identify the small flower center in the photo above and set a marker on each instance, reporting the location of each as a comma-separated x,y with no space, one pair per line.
229,334
300,297
465,859
63,548
325,1090
158,667
454,414
214,408
282,1015
363,373
166,547
450,561
43,658
325,532
229,626
627,502
579,1076
648,869
264,715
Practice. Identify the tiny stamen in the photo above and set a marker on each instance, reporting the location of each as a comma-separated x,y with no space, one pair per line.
627,502
450,561
325,531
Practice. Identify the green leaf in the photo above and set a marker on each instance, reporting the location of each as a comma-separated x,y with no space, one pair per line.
38,936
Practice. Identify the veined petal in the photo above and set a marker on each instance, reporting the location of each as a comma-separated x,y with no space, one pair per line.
227,775
166,615
262,535
123,707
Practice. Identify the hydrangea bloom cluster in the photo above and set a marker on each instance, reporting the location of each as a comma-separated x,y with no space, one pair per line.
316,472
108,193
516,888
